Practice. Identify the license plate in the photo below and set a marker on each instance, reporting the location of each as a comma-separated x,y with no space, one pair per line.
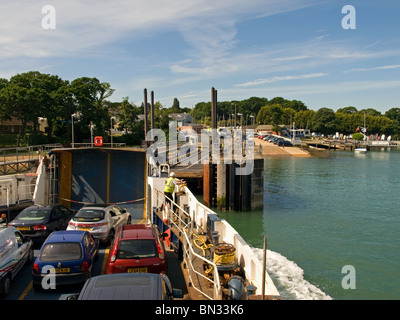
61,270
85,229
24,228
142,270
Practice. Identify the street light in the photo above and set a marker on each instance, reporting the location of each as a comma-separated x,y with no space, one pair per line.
112,118
74,115
241,118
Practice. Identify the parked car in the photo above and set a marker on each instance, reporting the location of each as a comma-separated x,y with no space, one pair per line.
266,137
128,286
38,221
137,248
70,253
101,220
275,140
284,143
15,251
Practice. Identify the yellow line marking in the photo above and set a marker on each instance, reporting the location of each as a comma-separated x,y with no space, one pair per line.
25,292
104,265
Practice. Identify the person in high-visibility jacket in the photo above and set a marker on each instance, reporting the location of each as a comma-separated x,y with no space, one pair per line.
170,186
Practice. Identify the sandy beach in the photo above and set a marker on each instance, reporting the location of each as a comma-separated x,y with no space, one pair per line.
270,149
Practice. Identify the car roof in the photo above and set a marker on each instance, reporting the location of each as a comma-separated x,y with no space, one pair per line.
66,236
138,231
122,286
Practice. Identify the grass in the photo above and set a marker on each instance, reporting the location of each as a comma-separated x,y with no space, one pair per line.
8,140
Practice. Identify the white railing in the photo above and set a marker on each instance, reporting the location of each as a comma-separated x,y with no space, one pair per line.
197,215
249,262
182,221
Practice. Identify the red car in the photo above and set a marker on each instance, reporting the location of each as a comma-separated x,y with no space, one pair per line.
137,248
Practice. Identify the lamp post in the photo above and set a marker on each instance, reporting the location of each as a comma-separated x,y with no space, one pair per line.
72,124
112,118
241,118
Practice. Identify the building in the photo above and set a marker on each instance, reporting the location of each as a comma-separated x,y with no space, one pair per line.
182,119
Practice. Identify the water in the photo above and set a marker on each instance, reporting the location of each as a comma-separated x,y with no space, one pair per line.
321,214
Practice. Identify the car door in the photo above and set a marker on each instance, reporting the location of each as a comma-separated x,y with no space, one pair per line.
125,214
65,216
21,254
54,219
90,247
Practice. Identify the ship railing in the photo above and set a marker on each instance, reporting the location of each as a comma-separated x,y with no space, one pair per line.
181,220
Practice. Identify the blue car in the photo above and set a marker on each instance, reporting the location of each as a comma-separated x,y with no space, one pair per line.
69,255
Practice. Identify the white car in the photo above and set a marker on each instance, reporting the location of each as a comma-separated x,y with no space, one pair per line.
101,220
15,252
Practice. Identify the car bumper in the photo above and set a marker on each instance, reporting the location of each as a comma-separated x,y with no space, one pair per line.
63,279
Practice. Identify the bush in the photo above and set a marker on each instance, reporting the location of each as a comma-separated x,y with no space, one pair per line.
358,136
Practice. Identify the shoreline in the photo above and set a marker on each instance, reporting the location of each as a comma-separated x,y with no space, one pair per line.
270,149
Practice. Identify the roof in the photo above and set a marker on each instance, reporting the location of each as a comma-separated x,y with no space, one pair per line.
66,236
137,231
179,116
122,286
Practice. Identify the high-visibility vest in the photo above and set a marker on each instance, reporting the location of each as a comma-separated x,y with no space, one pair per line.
170,187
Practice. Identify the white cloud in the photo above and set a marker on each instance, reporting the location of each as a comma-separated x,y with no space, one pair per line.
388,67
280,78
209,27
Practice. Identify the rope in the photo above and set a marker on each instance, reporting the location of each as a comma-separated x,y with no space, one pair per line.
81,202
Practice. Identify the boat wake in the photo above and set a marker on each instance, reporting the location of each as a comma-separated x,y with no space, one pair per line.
289,278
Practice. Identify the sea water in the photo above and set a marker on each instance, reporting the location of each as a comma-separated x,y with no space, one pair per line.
322,215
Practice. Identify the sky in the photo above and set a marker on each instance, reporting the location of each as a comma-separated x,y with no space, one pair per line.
295,49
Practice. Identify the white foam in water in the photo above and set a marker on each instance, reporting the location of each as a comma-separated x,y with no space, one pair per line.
289,278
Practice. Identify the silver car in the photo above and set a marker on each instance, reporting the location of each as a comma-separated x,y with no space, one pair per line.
101,220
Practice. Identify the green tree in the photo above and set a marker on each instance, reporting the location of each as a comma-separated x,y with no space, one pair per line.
128,115
90,100
348,110
324,121
270,114
22,97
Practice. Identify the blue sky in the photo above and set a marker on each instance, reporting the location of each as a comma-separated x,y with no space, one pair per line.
296,49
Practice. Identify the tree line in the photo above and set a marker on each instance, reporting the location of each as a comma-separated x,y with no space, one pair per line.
33,95
85,101
278,111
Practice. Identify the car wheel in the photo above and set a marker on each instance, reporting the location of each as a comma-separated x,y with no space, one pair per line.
5,286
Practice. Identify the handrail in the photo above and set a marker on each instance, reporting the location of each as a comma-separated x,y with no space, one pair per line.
186,229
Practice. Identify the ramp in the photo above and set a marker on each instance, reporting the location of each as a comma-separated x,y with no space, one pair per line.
100,175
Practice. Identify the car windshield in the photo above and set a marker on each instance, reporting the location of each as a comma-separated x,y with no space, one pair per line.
89,215
33,214
135,249
61,251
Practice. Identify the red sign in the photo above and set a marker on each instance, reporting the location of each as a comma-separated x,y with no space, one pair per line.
98,141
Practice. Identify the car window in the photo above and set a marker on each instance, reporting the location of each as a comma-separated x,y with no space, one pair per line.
19,238
33,214
112,213
64,210
88,242
56,213
136,249
61,251
89,215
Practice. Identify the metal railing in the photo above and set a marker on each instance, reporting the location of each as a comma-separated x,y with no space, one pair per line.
182,221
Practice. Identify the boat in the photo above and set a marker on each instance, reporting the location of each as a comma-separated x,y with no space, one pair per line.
360,150
216,262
